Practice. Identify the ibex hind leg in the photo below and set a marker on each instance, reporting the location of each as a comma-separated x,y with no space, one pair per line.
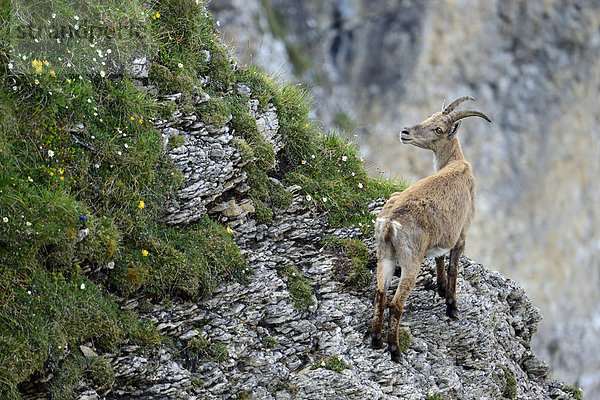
385,272
408,278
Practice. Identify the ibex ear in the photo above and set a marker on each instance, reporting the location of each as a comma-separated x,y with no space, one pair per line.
453,131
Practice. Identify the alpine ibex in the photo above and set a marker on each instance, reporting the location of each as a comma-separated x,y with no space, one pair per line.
428,219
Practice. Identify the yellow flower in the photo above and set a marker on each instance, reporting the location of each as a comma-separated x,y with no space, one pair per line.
141,205
133,118
145,253
62,178
229,230
37,65
53,74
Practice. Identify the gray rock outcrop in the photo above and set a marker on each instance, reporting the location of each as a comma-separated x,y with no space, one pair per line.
275,351
377,66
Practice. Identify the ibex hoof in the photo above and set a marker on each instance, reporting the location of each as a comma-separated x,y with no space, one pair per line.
452,313
394,353
377,341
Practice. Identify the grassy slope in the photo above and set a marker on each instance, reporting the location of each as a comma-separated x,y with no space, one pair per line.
109,175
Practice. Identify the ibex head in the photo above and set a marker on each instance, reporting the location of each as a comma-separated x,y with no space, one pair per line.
441,127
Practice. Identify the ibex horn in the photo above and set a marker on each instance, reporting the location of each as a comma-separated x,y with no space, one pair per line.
455,103
456,115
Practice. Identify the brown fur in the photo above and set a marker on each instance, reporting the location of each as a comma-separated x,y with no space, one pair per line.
433,215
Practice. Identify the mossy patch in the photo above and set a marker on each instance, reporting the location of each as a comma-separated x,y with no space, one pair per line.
510,387
300,288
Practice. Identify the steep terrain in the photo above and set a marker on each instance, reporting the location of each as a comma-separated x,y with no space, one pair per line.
175,225
377,66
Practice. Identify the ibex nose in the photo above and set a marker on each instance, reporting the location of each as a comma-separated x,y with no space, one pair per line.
404,131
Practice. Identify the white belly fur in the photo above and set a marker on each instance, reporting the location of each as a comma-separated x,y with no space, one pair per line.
436,252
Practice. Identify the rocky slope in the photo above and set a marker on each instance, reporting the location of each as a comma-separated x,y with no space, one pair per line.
275,351
532,66
253,340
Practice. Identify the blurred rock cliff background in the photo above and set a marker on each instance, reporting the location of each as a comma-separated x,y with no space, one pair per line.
533,67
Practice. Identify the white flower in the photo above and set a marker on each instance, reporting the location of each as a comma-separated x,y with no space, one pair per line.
360,185
102,74
308,197
28,223
180,65
126,146
29,292
108,51
119,152
82,286
15,88
93,137
50,153
5,219
68,65
324,199
76,18
344,158
24,57
97,165
29,179
10,66
218,23
89,100
312,156
53,15
76,27
353,174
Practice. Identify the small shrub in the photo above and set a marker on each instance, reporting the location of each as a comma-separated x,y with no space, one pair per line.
335,363
270,342
403,340
576,392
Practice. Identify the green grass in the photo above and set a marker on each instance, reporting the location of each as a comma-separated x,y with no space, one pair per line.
510,389
354,272
335,180
300,288
83,178
576,392
200,347
334,363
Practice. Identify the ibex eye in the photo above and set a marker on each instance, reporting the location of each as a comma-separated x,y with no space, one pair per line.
439,131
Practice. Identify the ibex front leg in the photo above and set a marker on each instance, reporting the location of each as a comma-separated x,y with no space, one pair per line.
451,308
441,276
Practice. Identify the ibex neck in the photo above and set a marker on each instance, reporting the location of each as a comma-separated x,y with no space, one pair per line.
447,153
